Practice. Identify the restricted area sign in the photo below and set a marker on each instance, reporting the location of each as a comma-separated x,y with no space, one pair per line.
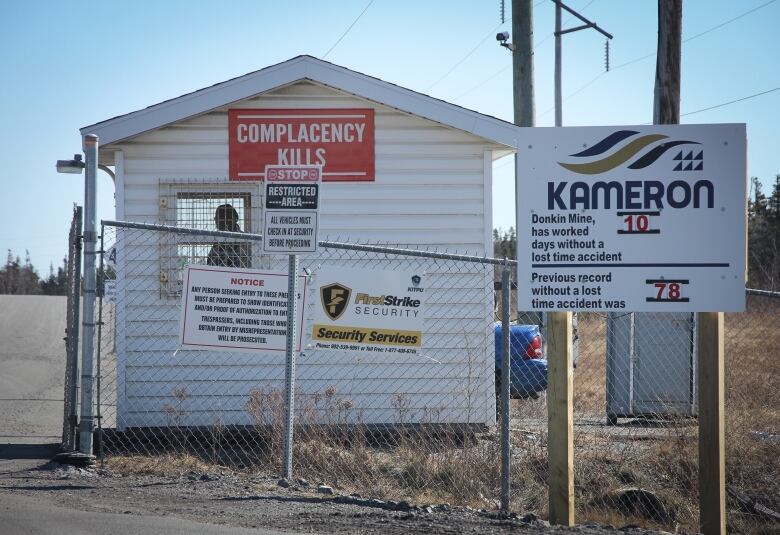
632,218
232,309
291,210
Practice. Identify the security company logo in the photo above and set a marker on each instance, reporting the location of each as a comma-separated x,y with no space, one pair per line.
334,298
610,160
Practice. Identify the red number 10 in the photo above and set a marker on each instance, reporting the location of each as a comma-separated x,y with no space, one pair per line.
642,223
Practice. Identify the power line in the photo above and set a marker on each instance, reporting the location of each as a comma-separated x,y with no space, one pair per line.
567,21
464,58
635,60
504,69
731,101
483,82
729,21
348,29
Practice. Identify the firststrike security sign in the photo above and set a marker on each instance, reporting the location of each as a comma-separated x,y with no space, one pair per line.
632,218
368,311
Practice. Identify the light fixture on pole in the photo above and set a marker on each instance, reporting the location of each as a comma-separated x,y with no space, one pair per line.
73,166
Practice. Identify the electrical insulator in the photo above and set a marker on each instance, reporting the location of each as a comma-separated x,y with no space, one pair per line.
503,11
606,54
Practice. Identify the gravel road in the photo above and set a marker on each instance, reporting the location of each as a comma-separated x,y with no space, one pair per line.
33,491
41,497
32,367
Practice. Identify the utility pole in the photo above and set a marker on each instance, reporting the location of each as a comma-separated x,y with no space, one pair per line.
522,49
523,63
710,366
562,344
559,32
666,102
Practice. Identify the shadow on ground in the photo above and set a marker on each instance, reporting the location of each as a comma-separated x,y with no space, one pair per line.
28,451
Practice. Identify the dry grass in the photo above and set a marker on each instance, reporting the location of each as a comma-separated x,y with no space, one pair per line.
165,465
423,466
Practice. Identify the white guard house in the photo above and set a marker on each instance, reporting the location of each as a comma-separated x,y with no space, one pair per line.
410,171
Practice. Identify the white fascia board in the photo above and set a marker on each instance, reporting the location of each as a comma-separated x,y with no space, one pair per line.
192,104
303,68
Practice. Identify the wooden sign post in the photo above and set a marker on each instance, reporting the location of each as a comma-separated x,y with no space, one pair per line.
560,414
712,443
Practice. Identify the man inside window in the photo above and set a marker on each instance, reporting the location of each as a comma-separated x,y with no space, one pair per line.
228,254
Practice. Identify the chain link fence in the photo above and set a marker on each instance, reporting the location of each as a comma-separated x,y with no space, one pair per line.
423,428
72,326
636,433
406,427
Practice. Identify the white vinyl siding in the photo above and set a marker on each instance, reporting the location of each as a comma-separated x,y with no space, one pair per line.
430,190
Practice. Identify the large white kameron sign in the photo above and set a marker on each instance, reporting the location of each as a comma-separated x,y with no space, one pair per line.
632,218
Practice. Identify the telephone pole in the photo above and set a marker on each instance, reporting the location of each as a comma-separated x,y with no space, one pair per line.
710,364
666,102
523,63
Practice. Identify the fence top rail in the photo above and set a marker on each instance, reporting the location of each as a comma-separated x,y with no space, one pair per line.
763,293
323,243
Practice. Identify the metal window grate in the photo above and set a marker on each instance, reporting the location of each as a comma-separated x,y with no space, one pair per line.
202,205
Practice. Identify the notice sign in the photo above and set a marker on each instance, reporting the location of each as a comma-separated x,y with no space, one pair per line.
368,311
233,309
341,140
632,218
291,209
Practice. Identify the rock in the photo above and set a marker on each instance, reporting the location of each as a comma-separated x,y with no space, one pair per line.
376,502
529,517
302,482
428,509
626,477
283,483
403,506
324,489
638,502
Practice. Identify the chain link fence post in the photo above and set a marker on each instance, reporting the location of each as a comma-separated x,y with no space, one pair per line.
289,374
70,413
86,424
505,386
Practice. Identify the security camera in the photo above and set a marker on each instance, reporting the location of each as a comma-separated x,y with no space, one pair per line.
502,38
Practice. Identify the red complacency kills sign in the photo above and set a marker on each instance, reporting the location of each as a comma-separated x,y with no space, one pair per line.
341,140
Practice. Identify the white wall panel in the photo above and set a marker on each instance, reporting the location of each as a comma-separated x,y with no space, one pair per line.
430,189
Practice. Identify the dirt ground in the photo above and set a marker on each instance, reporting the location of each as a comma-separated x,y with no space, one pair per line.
32,360
222,499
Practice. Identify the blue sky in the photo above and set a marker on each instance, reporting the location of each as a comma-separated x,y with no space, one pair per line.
69,64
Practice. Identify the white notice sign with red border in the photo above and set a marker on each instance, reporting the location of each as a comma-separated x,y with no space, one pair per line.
232,309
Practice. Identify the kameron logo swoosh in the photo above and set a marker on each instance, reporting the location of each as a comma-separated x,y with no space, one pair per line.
623,154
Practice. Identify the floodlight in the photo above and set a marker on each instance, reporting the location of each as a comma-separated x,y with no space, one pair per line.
73,166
